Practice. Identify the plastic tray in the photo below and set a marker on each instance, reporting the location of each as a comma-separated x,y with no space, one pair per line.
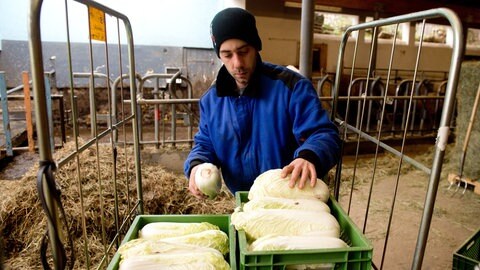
357,256
468,255
222,221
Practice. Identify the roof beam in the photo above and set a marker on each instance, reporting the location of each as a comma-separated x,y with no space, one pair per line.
466,10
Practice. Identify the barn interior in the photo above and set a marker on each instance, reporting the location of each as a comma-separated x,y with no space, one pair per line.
400,79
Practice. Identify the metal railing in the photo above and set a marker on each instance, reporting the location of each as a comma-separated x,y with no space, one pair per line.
428,98
407,92
101,142
158,93
10,126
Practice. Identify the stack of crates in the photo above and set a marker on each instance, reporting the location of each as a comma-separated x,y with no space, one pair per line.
468,255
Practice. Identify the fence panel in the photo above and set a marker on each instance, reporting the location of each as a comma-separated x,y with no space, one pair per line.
355,112
94,163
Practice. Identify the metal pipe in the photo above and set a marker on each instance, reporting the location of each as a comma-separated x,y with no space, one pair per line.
116,82
17,88
448,108
157,114
171,90
41,116
133,93
5,115
447,112
306,38
48,94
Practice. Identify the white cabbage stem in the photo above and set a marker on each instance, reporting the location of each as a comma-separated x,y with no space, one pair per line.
208,179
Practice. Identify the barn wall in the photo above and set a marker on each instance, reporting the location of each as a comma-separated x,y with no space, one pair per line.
200,65
281,39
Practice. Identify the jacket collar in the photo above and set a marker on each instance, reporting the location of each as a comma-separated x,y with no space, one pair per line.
226,85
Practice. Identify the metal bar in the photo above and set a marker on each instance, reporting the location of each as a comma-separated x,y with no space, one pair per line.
168,141
48,92
63,129
110,96
306,38
36,54
400,163
91,98
447,111
190,113
343,98
442,74
113,119
5,115
82,148
135,127
163,101
119,81
157,113
440,92
28,111
113,115
75,131
22,97
354,59
41,115
171,90
88,75
17,88
390,149
379,133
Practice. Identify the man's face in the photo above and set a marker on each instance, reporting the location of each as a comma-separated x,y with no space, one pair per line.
240,59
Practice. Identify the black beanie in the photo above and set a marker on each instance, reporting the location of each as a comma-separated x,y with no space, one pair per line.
234,23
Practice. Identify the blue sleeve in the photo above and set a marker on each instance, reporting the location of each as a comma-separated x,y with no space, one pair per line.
202,150
317,136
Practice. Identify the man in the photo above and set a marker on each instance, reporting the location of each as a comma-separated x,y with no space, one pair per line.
258,116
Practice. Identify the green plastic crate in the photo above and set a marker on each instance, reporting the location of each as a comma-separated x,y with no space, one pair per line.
357,256
222,221
468,255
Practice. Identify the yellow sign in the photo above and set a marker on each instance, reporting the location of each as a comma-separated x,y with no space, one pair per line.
96,18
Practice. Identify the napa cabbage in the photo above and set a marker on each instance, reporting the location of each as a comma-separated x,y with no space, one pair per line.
210,238
271,184
296,242
150,254
284,203
159,230
260,223
208,179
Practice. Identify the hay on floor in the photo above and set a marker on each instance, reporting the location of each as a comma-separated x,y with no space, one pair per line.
23,221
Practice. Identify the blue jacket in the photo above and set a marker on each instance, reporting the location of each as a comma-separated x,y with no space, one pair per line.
278,118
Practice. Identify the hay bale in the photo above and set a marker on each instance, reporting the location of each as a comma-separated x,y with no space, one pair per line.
469,81
23,221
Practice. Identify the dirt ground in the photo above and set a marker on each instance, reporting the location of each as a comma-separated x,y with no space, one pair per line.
455,216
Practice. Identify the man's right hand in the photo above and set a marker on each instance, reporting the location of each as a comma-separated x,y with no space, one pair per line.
192,186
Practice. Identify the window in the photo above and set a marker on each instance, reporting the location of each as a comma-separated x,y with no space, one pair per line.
434,33
473,38
332,23
387,32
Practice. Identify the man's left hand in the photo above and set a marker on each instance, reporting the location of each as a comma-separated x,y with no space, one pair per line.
302,171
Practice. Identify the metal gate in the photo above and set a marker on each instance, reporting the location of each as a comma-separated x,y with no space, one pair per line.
125,120
354,120
115,173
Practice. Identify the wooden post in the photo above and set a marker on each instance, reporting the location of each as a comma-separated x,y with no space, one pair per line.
28,111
